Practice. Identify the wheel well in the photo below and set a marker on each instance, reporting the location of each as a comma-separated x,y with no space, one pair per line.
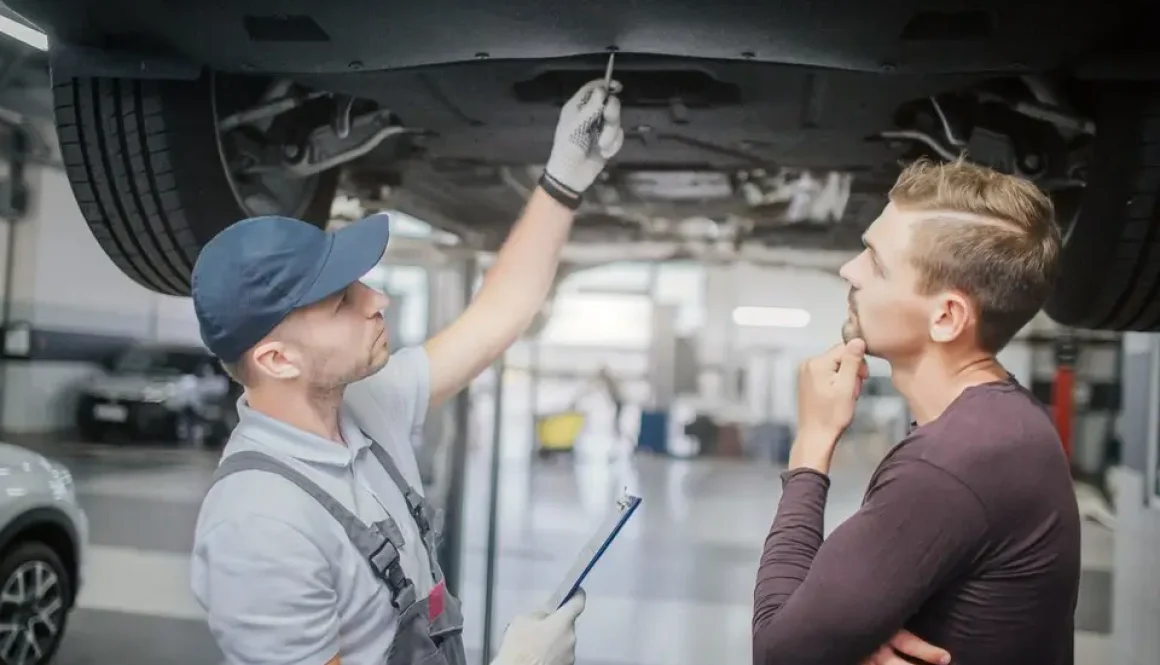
50,527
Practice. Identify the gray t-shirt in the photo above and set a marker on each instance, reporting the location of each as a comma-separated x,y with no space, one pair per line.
277,576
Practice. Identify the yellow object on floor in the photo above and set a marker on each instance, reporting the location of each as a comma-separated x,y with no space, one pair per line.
560,430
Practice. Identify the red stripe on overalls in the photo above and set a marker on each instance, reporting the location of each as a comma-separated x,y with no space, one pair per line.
435,601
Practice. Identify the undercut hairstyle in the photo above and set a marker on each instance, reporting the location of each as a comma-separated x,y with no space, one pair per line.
236,370
991,236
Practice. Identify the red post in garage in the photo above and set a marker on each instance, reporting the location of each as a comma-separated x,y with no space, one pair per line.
1063,386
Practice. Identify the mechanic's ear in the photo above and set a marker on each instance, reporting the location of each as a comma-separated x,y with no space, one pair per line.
276,360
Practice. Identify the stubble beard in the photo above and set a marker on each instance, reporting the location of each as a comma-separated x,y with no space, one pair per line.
373,363
850,331
327,384
369,368
335,384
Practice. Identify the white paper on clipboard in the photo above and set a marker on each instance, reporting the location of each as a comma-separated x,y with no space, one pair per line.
586,560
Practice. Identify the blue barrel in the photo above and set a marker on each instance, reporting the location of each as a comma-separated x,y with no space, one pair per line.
654,432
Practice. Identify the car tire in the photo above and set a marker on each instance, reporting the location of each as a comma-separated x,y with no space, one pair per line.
144,161
88,429
91,434
24,559
1110,264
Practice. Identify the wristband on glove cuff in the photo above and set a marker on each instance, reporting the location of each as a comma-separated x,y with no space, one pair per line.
564,195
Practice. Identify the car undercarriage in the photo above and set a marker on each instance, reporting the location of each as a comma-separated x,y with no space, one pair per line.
749,129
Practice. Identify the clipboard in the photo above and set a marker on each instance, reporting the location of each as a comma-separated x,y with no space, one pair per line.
586,560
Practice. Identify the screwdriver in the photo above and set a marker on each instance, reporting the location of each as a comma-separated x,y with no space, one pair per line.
599,125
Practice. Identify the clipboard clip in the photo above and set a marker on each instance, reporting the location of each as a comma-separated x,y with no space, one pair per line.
625,500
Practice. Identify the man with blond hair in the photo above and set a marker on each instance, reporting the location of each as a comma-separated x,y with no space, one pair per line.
968,535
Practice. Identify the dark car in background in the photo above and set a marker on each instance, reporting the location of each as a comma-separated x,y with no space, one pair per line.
158,392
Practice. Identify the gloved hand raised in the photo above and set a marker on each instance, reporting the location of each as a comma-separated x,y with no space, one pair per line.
542,638
588,134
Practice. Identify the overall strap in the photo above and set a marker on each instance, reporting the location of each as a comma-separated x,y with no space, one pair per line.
421,509
379,544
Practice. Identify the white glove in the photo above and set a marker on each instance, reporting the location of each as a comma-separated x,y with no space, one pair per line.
588,134
542,638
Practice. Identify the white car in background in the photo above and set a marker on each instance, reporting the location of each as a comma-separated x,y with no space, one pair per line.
43,537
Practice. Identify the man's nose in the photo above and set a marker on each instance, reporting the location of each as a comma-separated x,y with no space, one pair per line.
380,300
372,300
846,272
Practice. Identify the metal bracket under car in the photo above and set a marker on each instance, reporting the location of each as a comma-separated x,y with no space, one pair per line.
328,145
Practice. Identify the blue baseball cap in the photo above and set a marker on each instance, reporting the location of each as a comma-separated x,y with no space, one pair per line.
255,272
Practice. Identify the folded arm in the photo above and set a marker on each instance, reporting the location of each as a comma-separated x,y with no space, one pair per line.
837,601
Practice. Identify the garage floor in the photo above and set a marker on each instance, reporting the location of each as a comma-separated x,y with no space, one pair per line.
686,562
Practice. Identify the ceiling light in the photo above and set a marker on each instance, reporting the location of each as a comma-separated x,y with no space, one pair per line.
771,317
31,36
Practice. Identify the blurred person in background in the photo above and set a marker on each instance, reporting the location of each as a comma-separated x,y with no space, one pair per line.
612,387
968,536
605,381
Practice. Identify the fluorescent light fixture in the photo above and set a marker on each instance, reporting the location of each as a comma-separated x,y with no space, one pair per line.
771,317
620,321
31,36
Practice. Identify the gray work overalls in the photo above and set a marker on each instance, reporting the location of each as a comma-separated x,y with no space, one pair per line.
430,630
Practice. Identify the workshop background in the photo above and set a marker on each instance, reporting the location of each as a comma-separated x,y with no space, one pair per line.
705,355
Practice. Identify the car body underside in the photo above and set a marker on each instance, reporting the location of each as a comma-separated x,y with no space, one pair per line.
767,124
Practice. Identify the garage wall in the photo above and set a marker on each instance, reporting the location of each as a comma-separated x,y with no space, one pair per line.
74,285
63,282
1136,602
174,320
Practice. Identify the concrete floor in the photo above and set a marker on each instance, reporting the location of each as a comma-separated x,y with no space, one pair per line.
679,578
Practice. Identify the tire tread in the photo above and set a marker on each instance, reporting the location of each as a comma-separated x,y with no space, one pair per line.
142,158
1111,267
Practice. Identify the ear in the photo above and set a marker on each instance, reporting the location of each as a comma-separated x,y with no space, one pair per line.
276,360
951,317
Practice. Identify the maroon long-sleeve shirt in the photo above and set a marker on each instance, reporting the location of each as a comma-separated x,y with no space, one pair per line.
968,536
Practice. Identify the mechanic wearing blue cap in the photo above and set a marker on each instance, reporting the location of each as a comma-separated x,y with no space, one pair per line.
315,544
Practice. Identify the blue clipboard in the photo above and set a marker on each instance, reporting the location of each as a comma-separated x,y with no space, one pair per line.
597,545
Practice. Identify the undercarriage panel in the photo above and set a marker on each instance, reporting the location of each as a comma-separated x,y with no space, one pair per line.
332,36
676,112
766,117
